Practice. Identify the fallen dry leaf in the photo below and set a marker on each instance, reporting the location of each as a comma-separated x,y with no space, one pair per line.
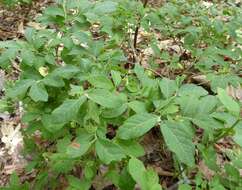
236,93
36,25
21,28
11,136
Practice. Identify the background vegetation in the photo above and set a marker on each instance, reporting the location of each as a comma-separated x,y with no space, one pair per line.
122,94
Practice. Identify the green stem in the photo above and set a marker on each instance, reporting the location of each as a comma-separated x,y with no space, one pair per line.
227,132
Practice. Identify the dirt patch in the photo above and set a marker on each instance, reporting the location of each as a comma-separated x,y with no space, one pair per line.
13,19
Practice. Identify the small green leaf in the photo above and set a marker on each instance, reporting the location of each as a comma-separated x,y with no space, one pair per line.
108,151
116,76
137,125
136,169
76,90
147,179
38,92
77,184
179,140
80,145
228,101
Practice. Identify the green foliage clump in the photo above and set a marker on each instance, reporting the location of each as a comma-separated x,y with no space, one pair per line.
77,81
11,3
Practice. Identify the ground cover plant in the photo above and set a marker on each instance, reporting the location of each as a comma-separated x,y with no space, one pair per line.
100,79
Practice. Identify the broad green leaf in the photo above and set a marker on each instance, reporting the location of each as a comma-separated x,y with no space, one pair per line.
38,92
206,105
105,7
168,87
159,104
28,34
67,110
105,98
114,112
80,145
126,182
63,143
54,11
188,105
61,163
152,180
28,57
49,123
67,71
137,106
54,81
192,90
136,169
20,88
143,77
137,125
228,101
92,112
179,140
6,57
131,147
100,82
108,151
223,80
78,184
184,187
224,117
238,133
208,123
113,176
169,109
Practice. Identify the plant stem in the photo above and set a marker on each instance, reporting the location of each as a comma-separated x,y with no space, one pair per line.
226,133
137,27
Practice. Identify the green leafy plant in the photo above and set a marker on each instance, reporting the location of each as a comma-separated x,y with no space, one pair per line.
77,81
